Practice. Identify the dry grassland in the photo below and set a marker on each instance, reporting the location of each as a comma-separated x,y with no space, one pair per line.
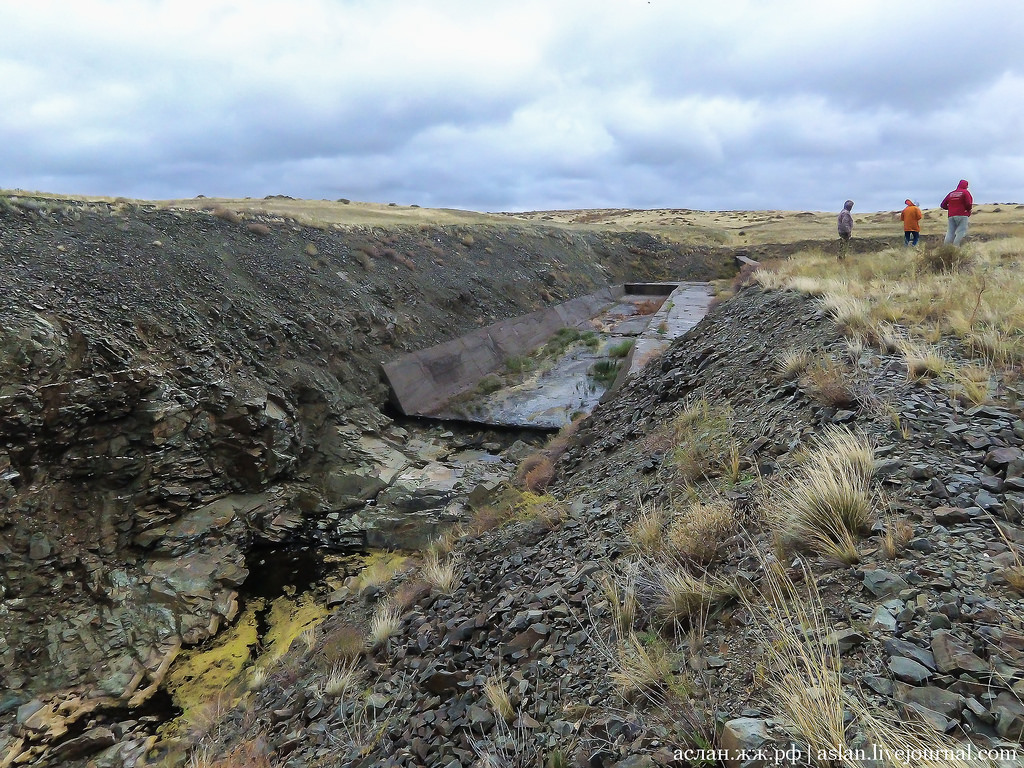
726,228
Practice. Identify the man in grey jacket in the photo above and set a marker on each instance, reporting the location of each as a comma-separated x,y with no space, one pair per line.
845,222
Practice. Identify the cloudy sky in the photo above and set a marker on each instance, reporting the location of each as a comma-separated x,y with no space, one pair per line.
516,105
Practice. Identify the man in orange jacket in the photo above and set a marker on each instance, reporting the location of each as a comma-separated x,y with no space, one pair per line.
911,216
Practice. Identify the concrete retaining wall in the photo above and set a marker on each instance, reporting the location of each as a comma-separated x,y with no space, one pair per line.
423,381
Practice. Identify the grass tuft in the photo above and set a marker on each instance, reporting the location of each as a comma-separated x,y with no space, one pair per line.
386,621
443,576
497,696
828,504
699,533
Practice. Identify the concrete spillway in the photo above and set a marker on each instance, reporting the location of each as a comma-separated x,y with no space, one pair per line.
538,370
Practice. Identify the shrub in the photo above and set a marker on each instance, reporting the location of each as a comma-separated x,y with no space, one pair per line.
310,249
225,215
342,643
540,476
621,349
538,463
701,531
604,372
828,382
256,228
519,364
648,306
945,258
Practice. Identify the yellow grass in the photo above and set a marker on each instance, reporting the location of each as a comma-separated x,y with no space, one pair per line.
983,308
828,503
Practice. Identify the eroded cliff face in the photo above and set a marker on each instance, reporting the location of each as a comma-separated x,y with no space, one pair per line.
176,388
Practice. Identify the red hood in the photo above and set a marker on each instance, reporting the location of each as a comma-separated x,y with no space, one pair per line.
962,184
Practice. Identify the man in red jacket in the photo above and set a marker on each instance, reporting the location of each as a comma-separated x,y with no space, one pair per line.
959,204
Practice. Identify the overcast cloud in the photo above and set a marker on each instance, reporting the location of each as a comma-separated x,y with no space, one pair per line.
516,105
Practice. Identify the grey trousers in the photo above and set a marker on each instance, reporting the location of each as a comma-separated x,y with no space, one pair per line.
957,230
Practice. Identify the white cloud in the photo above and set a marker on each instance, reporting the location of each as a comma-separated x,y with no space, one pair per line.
503,105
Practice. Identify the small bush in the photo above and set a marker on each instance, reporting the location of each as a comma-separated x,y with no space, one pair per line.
488,384
945,258
343,643
409,593
310,249
699,534
518,364
604,372
621,349
828,382
648,306
537,472
262,230
225,215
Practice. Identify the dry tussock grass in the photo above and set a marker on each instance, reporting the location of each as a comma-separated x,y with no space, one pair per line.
496,693
922,361
792,363
829,381
699,533
645,669
983,308
828,503
803,675
646,533
681,596
442,575
699,439
386,621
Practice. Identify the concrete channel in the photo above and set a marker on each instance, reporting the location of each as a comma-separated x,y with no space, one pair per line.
522,373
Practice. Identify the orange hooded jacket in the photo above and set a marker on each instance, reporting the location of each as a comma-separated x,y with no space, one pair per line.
911,216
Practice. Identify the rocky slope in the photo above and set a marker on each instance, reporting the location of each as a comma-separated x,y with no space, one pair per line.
178,387
931,632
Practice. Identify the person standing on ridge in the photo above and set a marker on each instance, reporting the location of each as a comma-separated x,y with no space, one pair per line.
959,204
911,216
845,222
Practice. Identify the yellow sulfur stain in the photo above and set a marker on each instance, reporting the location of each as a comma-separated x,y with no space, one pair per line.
287,620
202,675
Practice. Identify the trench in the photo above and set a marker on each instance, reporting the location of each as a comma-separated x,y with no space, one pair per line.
473,439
